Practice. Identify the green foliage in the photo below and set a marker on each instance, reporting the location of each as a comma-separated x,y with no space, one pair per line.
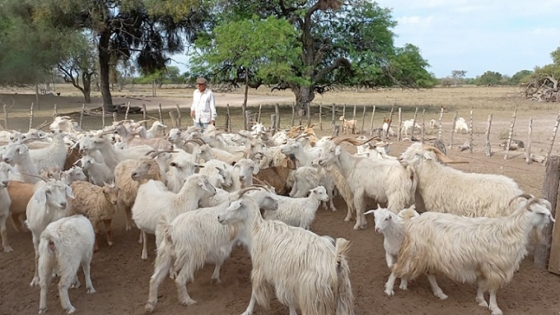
490,78
266,48
170,75
521,77
28,52
341,42
408,68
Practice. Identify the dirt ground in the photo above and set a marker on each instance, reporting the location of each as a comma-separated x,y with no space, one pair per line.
121,278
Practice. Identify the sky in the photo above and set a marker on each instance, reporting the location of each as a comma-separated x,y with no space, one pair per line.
474,35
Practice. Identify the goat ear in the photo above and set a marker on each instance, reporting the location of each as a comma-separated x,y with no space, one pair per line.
285,162
427,156
255,169
69,192
337,150
13,170
41,195
370,211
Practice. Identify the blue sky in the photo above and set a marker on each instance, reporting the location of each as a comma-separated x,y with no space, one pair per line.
474,35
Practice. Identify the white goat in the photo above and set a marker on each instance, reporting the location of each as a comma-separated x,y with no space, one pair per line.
486,251
391,225
385,181
18,155
445,189
461,124
97,171
51,156
298,212
407,124
47,205
152,202
193,239
308,177
111,155
5,203
307,271
65,245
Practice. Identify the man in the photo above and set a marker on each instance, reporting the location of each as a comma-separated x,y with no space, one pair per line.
203,109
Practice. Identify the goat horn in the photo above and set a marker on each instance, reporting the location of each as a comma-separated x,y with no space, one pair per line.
353,141
526,196
160,152
368,140
43,125
242,191
440,154
197,141
255,154
41,177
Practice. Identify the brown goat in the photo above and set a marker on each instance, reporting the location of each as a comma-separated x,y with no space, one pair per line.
278,176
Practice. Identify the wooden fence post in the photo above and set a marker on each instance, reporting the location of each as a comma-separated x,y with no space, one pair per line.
423,125
273,123
55,111
553,136
529,142
5,117
160,115
363,120
248,119
371,121
508,143
144,114
550,193
440,127
82,112
308,115
102,116
471,132
333,109
354,119
344,110
453,129
178,116
488,146
413,124
399,128
293,115
126,112
31,116
228,119
277,112
115,117
554,256
390,120
259,114
321,116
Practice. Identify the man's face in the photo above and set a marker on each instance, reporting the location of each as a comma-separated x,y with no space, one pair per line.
201,86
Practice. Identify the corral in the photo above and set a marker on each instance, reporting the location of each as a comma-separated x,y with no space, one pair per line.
121,278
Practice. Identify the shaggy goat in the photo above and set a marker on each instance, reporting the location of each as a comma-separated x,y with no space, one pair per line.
65,245
5,202
298,212
486,251
307,271
445,189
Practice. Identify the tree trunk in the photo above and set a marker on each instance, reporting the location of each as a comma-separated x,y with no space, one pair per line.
86,81
304,96
104,69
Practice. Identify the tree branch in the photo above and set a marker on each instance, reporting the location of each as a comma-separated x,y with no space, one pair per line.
338,63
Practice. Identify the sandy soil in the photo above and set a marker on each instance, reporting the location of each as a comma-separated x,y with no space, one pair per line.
121,278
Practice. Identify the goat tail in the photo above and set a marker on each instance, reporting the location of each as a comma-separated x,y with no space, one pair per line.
413,176
344,297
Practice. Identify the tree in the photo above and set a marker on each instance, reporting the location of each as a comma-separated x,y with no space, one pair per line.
520,76
458,76
78,63
341,42
145,30
244,51
490,78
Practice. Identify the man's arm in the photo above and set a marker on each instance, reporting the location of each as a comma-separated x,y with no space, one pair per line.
213,109
193,109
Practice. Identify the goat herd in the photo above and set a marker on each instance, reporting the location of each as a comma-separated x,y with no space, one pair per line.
202,192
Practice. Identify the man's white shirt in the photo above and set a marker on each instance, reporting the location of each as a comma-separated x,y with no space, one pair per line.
204,106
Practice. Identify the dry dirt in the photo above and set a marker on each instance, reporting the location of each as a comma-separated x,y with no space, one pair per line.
121,278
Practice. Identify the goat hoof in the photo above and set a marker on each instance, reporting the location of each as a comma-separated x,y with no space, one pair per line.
110,244
34,282
483,303
90,290
216,280
70,310
403,287
188,302
389,292
42,310
149,308
441,296
8,249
